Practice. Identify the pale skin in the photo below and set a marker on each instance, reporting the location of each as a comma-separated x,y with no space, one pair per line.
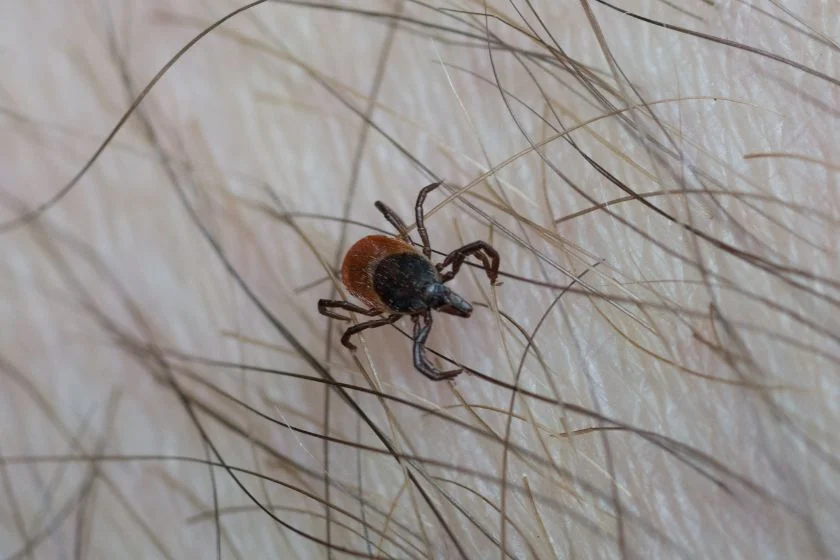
694,344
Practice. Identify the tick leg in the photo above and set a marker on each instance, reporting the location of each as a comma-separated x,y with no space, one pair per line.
419,217
345,338
324,306
394,219
482,250
421,363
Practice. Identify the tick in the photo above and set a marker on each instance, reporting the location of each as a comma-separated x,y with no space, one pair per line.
392,278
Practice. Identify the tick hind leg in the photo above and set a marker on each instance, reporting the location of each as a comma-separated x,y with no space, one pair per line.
421,363
355,329
325,305
394,219
482,250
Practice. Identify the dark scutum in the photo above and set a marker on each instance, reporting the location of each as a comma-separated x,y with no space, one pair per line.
400,281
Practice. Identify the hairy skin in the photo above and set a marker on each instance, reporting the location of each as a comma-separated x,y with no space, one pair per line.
696,348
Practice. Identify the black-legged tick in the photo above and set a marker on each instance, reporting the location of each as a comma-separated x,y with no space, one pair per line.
392,277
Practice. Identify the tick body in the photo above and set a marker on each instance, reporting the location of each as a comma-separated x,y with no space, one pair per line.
393,278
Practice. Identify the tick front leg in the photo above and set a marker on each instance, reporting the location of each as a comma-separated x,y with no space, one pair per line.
345,339
482,250
421,363
419,216
324,306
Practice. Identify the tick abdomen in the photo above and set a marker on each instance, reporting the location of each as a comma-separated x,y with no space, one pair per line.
389,287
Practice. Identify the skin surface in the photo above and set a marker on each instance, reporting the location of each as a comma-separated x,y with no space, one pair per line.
692,337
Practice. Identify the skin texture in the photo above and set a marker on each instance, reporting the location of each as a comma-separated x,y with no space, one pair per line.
695,345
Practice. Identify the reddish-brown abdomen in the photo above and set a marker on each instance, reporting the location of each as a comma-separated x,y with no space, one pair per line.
361,261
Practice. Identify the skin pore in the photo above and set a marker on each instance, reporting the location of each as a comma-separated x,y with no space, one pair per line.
655,374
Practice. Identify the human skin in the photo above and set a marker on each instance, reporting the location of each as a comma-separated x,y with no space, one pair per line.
692,354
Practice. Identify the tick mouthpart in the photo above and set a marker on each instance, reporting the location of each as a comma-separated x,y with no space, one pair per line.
445,300
464,311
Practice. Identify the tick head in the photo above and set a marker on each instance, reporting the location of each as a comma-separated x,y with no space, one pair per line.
442,299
